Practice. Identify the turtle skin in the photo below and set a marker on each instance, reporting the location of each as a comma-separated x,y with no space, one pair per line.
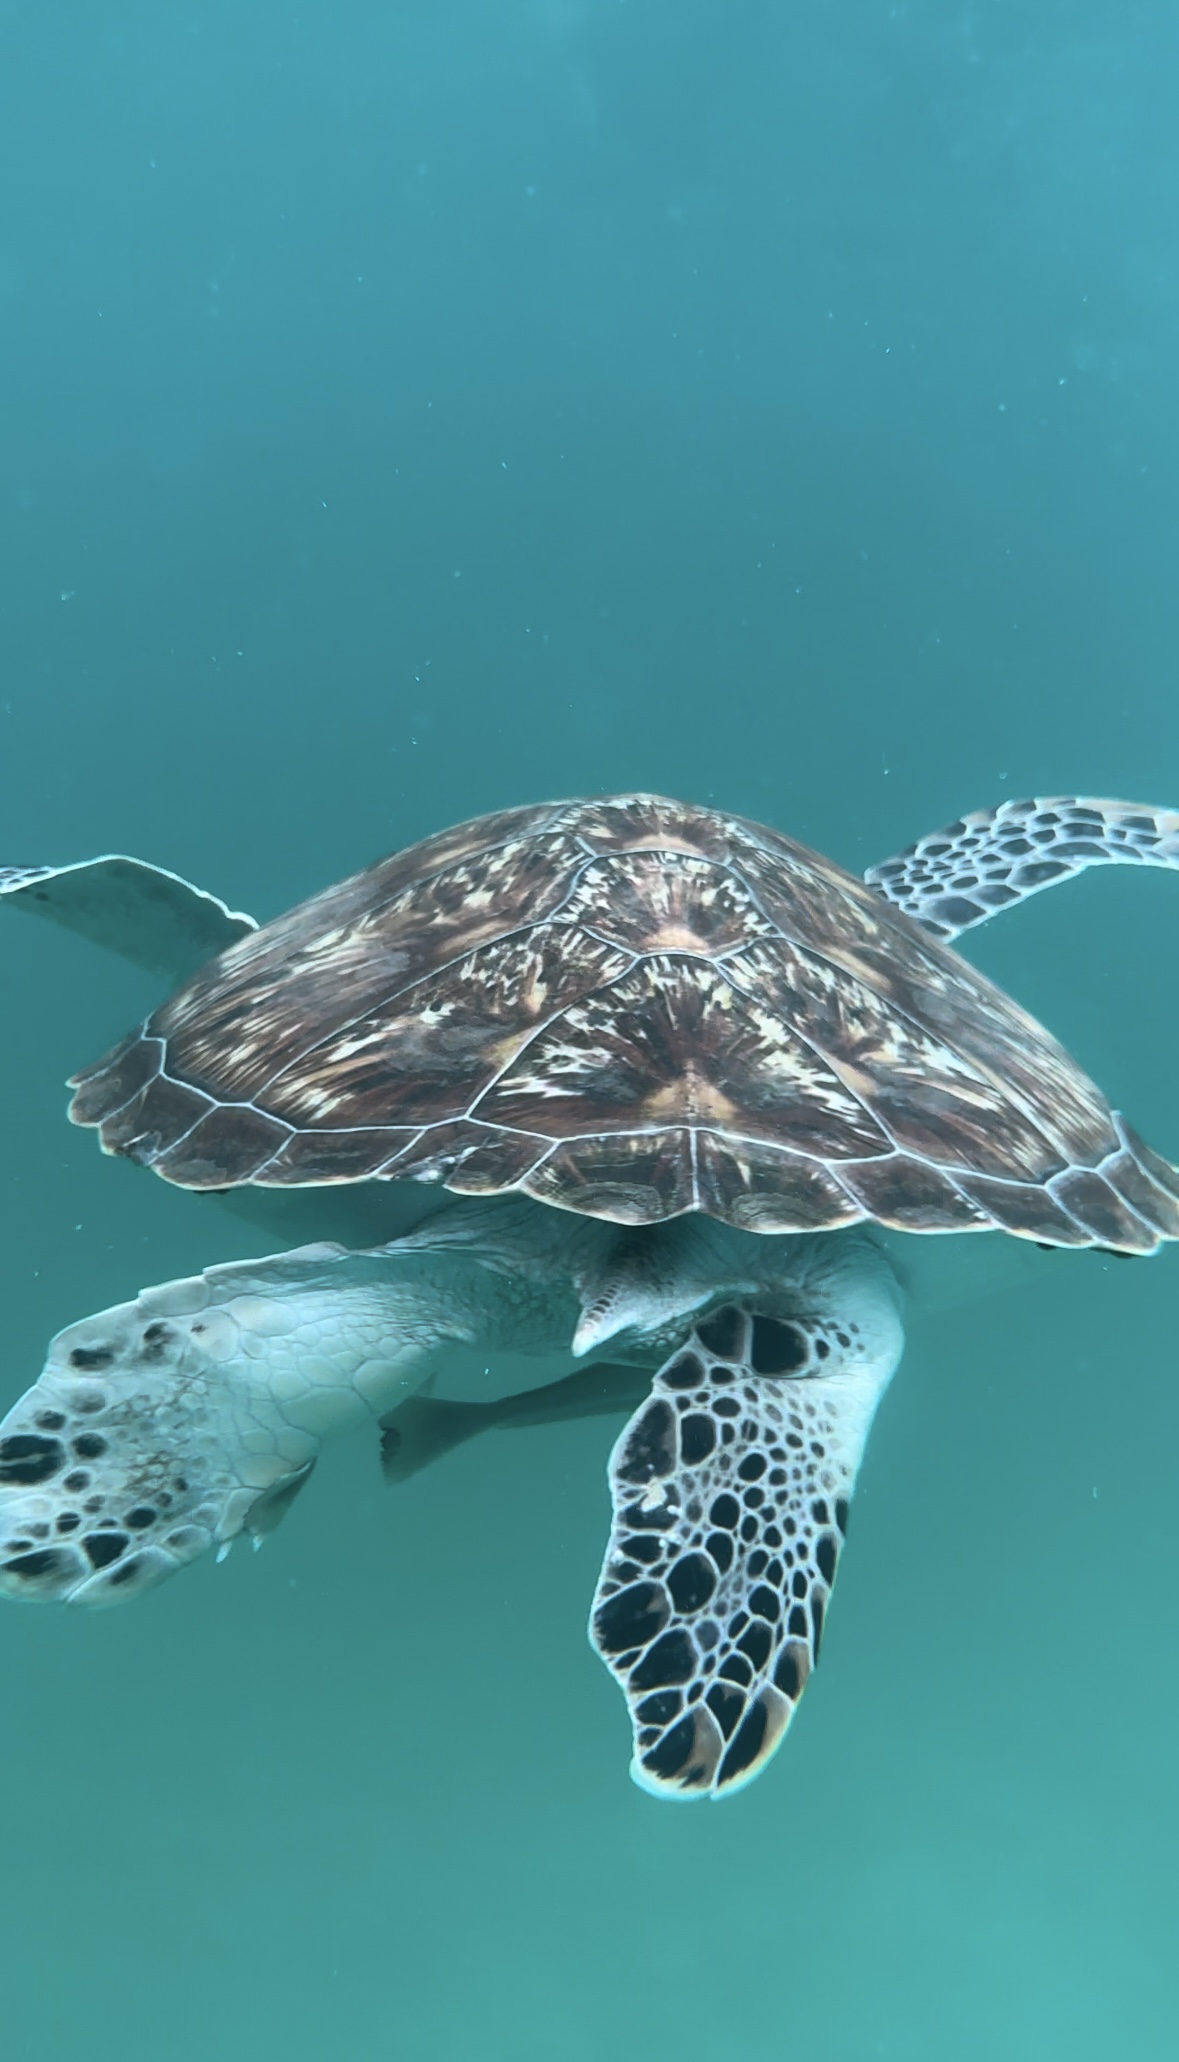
629,1007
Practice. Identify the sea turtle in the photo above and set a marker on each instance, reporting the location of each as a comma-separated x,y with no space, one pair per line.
693,1086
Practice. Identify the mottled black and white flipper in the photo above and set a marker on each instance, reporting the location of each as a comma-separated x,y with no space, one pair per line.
177,1422
957,877
144,913
730,1489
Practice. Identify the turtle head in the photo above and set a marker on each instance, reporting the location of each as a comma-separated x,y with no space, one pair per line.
638,1286
648,1282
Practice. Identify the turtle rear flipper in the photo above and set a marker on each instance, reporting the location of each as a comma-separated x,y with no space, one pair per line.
144,913
423,1428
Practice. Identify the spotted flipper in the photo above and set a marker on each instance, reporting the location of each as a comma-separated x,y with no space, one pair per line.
958,877
142,912
179,1422
730,1489
137,1450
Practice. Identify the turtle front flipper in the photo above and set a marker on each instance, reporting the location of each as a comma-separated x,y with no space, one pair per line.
193,1415
144,913
730,1489
960,876
138,1448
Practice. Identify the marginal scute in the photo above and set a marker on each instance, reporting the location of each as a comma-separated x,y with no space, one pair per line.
1025,1209
911,1195
639,1180
101,1090
761,1188
227,1147
331,1156
1102,1212
471,1158
153,1119
633,1008
1152,1163
1130,1174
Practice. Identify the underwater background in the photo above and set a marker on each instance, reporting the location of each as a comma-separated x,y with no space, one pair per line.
410,410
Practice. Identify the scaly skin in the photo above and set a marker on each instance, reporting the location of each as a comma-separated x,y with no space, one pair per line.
171,1424
174,1423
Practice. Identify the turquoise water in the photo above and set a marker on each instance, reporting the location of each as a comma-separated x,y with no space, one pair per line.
414,410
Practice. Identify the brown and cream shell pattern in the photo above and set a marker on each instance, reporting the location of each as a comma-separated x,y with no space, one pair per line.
631,1007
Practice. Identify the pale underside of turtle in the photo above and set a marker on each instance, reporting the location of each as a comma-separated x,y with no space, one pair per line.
639,1011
